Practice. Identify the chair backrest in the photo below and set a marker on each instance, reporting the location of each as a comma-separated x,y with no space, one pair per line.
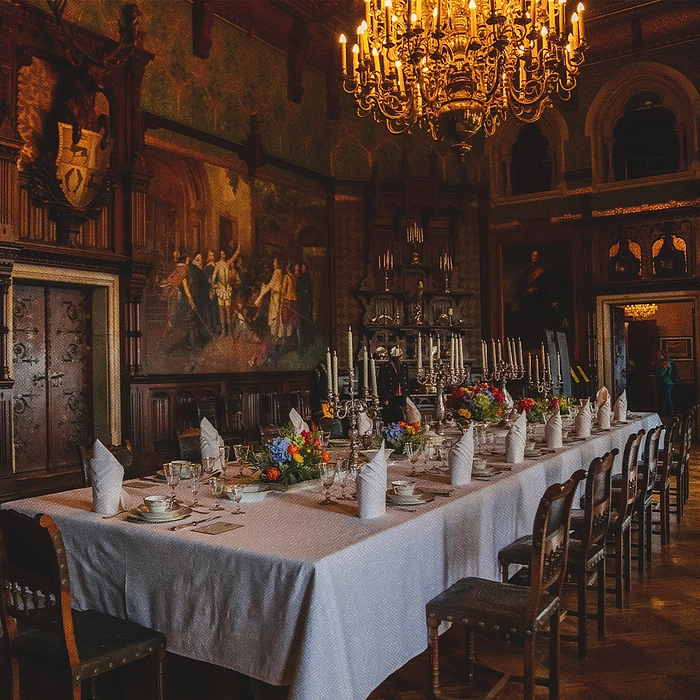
597,502
190,447
34,579
232,409
123,453
664,464
685,437
630,474
648,467
206,408
550,541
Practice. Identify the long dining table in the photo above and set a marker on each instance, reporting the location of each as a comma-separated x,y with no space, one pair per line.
305,595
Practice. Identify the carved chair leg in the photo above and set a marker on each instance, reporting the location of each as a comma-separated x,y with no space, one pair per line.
14,680
529,666
649,524
582,612
471,656
433,647
667,517
554,653
642,538
161,660
618,570
601,598
77,691
628,558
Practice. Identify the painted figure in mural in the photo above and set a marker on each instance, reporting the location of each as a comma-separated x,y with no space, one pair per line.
211,316
392,386
532,286
305,298
223,281
290,313
199,289
274,288
175,287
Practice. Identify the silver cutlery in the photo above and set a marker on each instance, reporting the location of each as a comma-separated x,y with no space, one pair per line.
114,515
193,523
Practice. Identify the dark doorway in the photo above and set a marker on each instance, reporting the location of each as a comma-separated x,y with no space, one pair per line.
52,343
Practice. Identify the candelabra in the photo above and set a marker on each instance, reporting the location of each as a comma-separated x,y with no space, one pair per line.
351,409
386,265
414,236
501,371
544,383
446,265
437,377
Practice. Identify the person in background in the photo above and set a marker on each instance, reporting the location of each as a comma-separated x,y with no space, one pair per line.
663,372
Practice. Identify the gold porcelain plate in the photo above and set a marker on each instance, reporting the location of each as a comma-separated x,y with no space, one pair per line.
415,499
142,514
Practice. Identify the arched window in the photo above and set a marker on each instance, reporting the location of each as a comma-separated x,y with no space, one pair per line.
646,142
531,164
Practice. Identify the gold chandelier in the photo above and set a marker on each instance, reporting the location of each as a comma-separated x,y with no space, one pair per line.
640,310
453,66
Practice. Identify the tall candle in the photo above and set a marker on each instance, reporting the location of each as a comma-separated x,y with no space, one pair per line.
430,352
420,352
500,356
559,366
484,362
439,349
343,54
543,355
350,357
537,367
493,354
529,366
461,353
452,353
365,370
547,369
581,30
520,355
335,372
510,352
373,376
329,372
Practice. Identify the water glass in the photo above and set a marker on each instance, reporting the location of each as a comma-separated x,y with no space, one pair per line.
237,491
195,481
208,464
218,485
342,472
327,478
224,451
172,470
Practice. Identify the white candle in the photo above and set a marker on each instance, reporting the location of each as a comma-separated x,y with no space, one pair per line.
484,362
581,30
493,354
430,352
343,54
365,371
420,352
439,349
329,372
547,369
461,353
452,353
537,367
350,357
543,356
520,355
529,366
373,376
500,356
559,366
510,352
335,373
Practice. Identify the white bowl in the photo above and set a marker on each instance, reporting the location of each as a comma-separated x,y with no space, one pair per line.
252,493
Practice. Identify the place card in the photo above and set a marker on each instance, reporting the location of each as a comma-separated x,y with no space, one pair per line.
216,528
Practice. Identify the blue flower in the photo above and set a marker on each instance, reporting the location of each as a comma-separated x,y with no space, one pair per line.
278,450
393,431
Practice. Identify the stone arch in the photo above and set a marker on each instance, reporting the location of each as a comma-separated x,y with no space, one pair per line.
499,148
678,95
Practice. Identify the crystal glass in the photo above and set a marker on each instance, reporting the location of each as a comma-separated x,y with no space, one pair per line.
218,485
242,453
342,473
209,464
172,476
195,481
224,451
443,453
414,454
327,478
237,491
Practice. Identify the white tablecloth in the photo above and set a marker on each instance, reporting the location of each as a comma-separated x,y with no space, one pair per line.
306,595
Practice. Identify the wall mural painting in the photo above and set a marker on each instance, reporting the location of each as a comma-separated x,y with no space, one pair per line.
240,278
537,291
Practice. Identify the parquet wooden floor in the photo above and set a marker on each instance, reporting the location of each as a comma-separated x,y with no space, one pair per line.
652,651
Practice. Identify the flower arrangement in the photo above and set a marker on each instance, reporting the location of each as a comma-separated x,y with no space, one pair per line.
400,434
561,402
291,458
534,410
481,403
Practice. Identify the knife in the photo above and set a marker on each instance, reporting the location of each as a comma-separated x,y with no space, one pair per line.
194,522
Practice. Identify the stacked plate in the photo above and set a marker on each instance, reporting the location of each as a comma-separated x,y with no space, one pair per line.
415,499
144,515
484,472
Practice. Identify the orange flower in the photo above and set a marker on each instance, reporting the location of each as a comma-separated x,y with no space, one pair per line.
292,449
401,424
325,456
273,474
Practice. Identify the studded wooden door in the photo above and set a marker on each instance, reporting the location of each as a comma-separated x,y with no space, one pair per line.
52,372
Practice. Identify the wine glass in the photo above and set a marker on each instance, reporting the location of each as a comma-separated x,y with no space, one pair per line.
443,453
414,455
237,491
342,471
242,454
218,485
172,476
195,481
327,477
208,464
224,451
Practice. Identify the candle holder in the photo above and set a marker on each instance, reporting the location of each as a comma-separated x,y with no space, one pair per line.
504,372
442,375
446,266
386,266
351,409
545,384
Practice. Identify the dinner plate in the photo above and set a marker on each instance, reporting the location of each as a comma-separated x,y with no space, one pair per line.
484,473
142,513
533,453
415,499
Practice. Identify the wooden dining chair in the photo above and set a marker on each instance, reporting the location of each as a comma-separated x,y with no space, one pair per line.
619,542
188,442
693,413
42,630
123,453
586,563
513,609
662,487
679,465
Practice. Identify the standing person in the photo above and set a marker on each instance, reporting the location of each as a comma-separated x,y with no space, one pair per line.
222,281
274,288
212,314
290,313
663,372
393,387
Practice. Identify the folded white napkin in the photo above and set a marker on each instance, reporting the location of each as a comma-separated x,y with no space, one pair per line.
365,424
209,440
602,396
298,423
411,411
515,440
461,458
106,474
582,424
552,431
371,487
604,415
620,408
